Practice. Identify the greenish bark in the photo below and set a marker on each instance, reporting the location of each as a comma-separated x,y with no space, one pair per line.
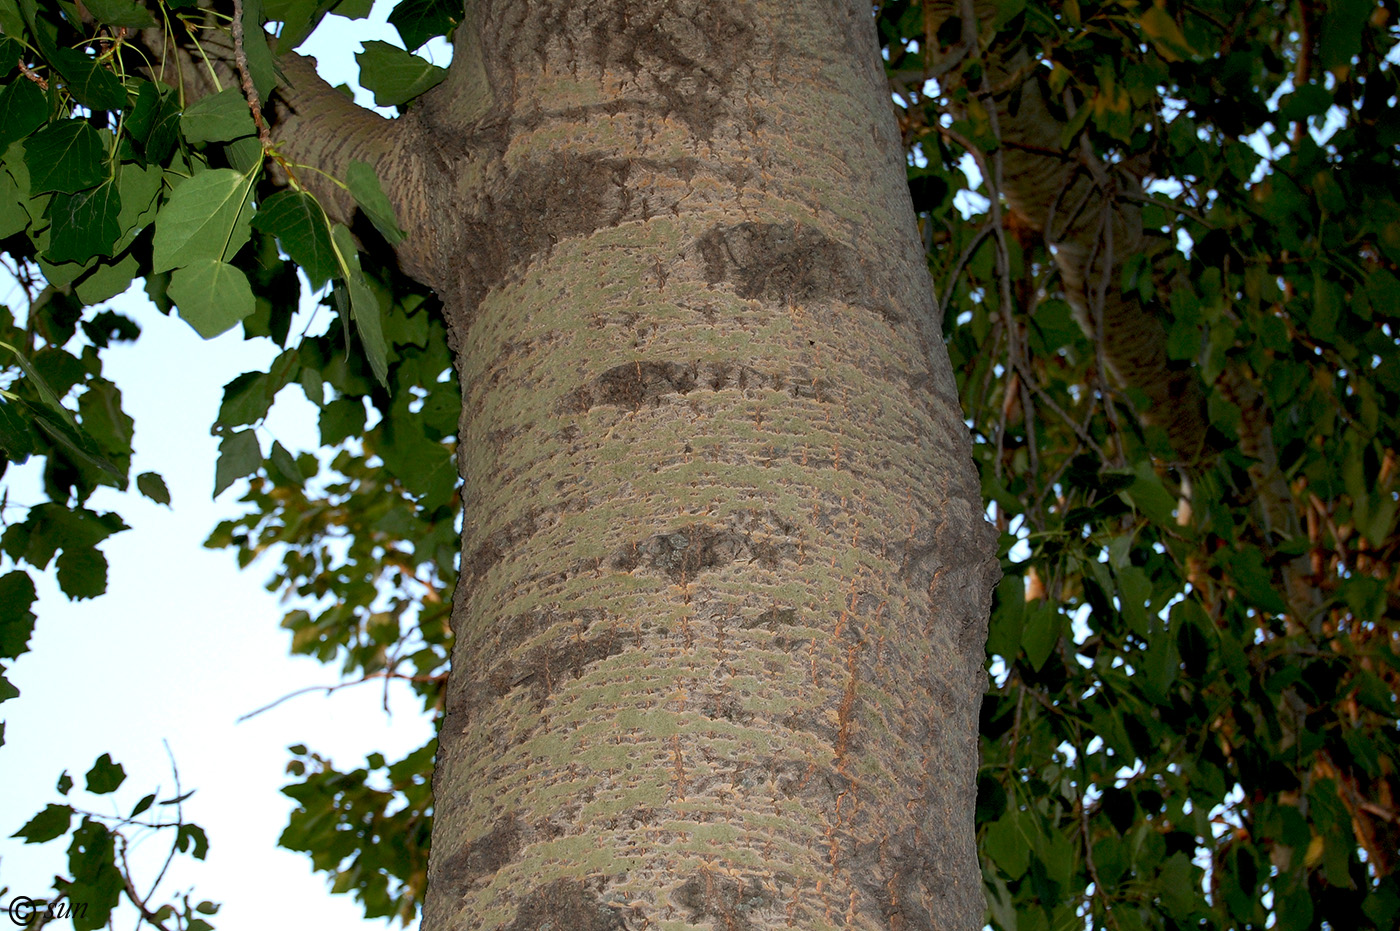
725,578
719,635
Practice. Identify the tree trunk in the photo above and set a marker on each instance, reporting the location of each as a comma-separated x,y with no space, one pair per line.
725,578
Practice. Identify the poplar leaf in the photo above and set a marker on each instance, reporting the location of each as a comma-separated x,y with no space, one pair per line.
218,118
17,597
92,84
82,572
261,68
66,156
298,18
300,226
84,224
120,13
363,308
365,188
105,776
212,296
239,456
153,486
107,281
420,20
23,109
396,76
207,217
52,822
154,122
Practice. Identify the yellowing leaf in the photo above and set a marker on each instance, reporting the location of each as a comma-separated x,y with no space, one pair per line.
1166,35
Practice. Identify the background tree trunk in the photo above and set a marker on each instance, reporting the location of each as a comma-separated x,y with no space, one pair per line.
725,578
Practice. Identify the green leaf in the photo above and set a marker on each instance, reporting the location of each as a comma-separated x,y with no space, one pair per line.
1008,846
299,18
153,486
139,187
420,20
1008,613
285,465
353,9
65,156
192,836
17,440
261,67
52,822
84,224
342,419
212,296
105,776
76,444
301,227
13,215
120,13
94,86
17,596
1250,576
96,879
46,393
364,309
1150,496
154,123
207,217
364,186
218,118
23,109
142,805
1342,30
396,76
239,456
82,572
1041,633
106,281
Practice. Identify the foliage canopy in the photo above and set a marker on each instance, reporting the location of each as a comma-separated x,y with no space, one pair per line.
1192,711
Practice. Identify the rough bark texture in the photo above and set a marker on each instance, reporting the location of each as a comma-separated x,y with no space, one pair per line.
725,577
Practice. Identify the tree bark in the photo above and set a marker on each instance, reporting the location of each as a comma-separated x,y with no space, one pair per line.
725,578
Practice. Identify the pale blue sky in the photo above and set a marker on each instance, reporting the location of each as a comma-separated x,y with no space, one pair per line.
183,644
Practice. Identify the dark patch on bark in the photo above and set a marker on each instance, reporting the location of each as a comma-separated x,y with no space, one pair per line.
725,706
723,899
635,384
895,878
493,549
482,856
687,551
790,264
772,619
546,666
565,905
543,668
686,54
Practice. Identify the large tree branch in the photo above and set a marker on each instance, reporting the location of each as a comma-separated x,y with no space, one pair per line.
318,132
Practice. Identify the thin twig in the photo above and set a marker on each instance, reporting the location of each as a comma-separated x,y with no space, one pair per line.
147,915
331,689
250,91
